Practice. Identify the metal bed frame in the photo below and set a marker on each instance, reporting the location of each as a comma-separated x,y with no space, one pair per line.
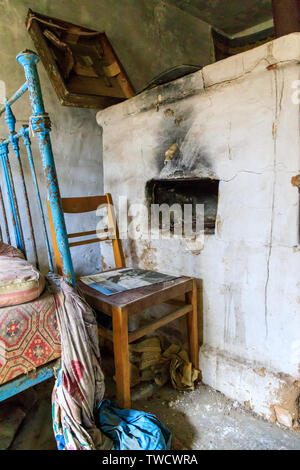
40,124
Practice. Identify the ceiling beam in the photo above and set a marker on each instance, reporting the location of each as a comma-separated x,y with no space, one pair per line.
286,14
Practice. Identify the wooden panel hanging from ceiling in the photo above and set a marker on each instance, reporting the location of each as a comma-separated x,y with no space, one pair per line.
81,63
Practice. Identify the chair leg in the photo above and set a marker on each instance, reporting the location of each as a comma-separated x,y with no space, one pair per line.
192,326
121,356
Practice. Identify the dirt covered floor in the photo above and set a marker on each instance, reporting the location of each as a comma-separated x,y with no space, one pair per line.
206,420
203,419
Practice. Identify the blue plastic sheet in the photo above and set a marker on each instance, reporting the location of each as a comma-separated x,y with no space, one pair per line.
132,429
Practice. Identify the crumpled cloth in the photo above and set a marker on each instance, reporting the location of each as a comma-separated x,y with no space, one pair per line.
79,388
133,430
82,420
149,362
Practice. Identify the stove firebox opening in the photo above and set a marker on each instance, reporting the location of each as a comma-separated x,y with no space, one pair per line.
186,191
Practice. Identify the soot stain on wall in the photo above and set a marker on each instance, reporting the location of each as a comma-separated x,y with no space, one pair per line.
176,155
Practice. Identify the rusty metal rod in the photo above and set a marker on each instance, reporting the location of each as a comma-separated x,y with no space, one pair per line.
28,211
41,126
14,140
12,196
24,132
12,185
15,97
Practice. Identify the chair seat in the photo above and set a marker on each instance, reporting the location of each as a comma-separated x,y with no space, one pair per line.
137,299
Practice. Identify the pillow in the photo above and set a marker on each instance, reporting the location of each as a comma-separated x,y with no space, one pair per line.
20,282
11,251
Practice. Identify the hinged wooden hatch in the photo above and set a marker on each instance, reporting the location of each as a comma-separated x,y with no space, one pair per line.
81,63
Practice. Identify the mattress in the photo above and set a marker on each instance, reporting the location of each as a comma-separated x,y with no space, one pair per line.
29,336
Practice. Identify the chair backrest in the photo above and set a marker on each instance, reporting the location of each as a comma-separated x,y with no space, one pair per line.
80,205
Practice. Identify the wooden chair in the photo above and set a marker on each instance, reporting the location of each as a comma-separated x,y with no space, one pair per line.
122,305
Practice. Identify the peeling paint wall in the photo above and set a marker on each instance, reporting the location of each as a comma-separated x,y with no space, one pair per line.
235,121
148,37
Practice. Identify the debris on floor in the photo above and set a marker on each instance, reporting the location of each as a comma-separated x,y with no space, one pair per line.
148,362
207,420
200,420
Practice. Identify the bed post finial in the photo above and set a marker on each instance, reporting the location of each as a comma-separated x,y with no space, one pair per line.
41,126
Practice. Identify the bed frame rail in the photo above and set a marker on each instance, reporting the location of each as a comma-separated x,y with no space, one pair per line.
40,124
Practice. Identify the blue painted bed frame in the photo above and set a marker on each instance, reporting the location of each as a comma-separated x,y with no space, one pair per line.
40,124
